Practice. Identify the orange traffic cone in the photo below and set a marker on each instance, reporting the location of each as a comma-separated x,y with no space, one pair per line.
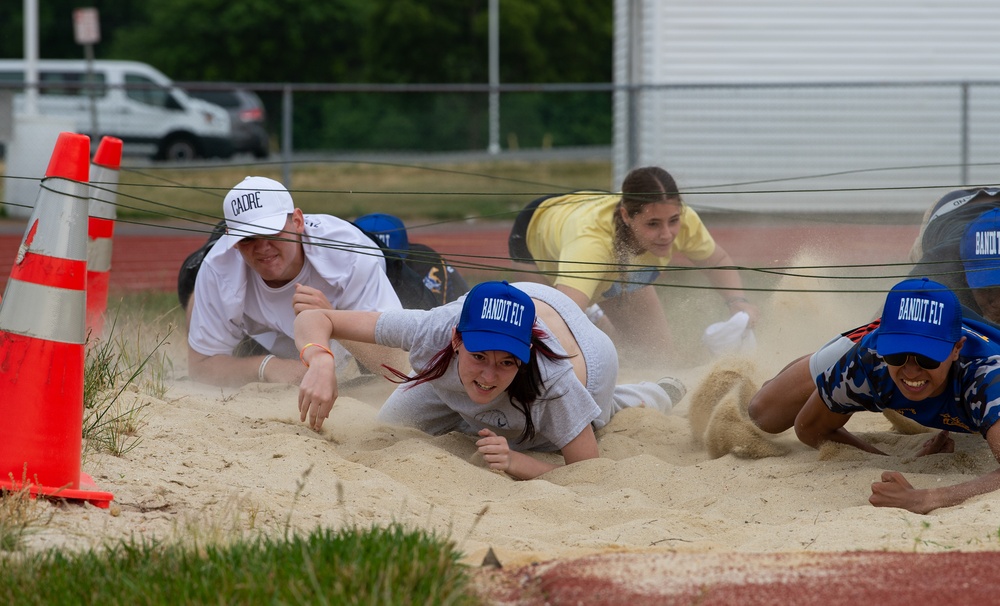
100,229
42,338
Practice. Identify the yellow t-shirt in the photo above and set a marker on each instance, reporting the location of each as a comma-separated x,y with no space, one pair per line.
572,237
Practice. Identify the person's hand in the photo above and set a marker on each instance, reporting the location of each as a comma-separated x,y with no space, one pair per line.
307,297
318,391
494,449
941,442
895,491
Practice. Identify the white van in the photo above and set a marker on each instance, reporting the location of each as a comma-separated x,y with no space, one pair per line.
133,101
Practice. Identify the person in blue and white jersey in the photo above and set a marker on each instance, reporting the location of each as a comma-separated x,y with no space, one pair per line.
923,360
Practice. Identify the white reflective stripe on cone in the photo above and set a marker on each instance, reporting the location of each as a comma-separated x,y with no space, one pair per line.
44,312
99,255
103,192
62,220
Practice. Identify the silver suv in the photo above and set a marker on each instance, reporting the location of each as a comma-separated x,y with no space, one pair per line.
249,119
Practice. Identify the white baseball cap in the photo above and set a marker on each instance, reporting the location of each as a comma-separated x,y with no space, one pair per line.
258,206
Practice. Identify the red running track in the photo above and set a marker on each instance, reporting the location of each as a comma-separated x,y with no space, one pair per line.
750,579
148,258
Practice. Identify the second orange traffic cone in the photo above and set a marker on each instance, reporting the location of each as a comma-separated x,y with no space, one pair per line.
100,229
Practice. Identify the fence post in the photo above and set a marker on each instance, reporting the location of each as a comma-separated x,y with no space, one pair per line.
286,136
965,134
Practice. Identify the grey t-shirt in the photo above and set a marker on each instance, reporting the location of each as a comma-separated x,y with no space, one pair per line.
560,413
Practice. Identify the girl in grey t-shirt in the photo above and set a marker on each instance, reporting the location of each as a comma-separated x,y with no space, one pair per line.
519,365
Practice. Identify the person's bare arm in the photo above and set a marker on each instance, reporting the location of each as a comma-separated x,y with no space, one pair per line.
729,283
230,371
355,330
640,323
522,466
368,354
895,491
816,424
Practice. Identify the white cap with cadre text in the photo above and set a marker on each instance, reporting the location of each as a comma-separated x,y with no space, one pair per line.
258,206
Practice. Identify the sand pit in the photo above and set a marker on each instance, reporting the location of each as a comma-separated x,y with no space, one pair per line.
218,463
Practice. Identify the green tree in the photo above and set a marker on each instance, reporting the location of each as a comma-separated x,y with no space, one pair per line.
420,41
250,40
446,41
55,26
376,41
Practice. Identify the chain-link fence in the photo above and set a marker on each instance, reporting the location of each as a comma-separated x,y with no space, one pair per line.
725,137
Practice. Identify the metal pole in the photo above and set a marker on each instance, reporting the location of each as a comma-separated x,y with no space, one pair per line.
88,52
494,57
634,43
965,133
286,136
31,57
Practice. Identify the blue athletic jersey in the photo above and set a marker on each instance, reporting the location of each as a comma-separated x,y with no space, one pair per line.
970,401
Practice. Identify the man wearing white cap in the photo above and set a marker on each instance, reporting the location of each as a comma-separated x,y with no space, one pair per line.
272,263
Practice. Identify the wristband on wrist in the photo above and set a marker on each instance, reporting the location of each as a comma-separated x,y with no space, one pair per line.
307,346
260,369
732,300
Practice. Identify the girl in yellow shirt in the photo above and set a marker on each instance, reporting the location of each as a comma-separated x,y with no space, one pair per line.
605,250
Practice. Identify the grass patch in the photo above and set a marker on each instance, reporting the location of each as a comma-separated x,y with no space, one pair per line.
20,516
426,190
120,368
208,563
351,566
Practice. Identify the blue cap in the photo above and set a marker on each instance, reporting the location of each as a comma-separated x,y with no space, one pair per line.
922,317
981,250
388,228
497,317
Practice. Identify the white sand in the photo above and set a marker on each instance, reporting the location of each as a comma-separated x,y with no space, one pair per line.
215,463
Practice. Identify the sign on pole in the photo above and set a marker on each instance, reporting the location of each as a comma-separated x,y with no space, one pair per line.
87,31
86,26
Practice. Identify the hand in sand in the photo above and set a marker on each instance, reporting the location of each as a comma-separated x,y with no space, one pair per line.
895,491
307,297
318,391
942,442
494,449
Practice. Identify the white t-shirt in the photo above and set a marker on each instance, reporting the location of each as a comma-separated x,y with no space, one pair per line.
231,301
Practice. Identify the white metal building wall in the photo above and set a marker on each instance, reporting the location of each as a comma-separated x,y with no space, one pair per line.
850,102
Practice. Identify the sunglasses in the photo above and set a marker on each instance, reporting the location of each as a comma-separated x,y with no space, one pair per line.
901,358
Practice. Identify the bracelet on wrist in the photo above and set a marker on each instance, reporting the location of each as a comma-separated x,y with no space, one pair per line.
263,364
732,300
307,346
